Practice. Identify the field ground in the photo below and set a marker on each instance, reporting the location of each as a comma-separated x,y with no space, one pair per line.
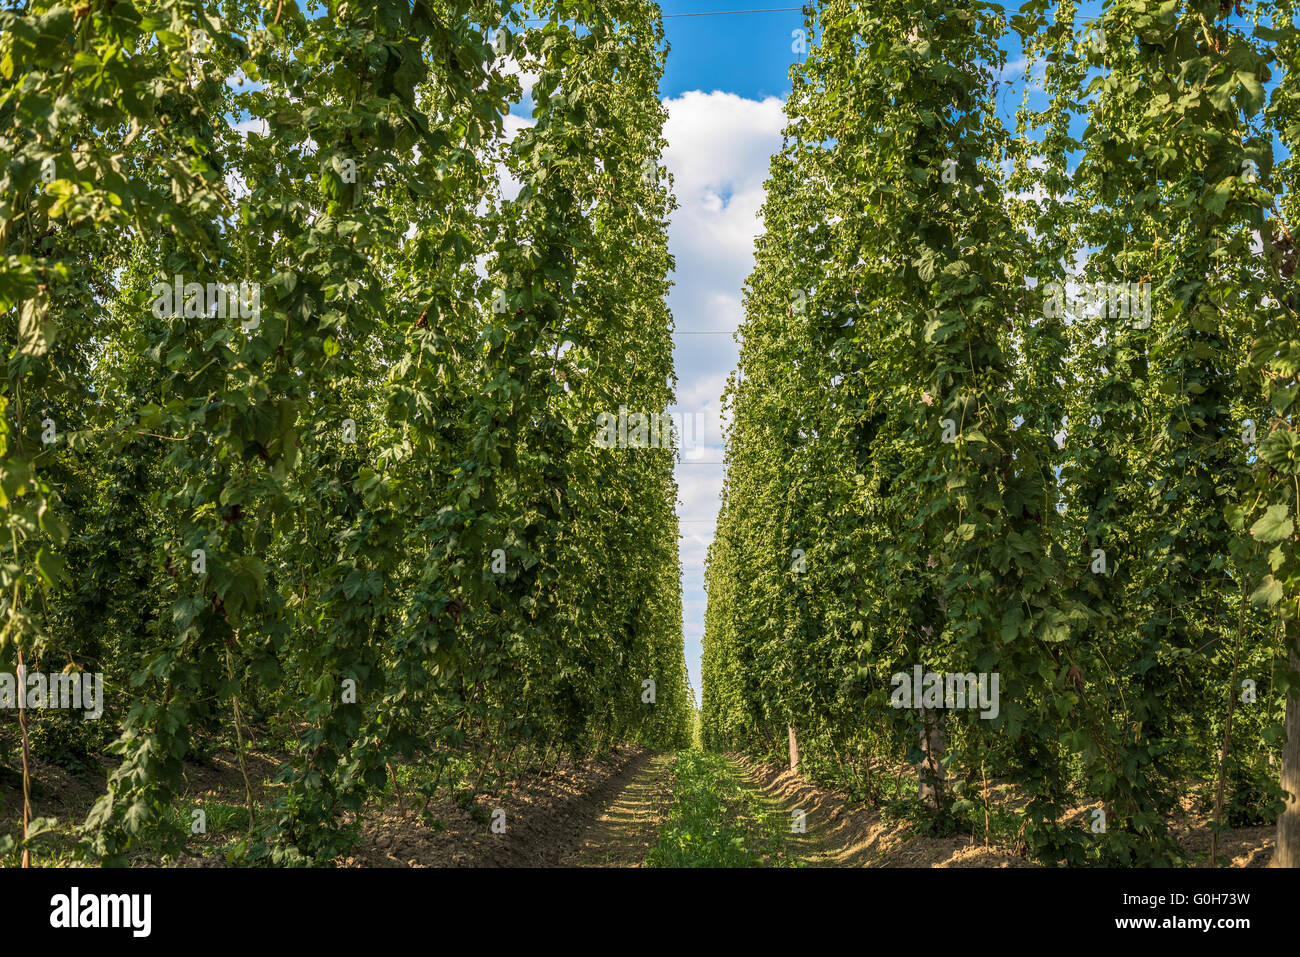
630,809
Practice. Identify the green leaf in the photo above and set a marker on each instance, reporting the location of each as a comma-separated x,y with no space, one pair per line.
41,825
1268,593
1216,198
50,567
1055,626
1253,90
1274,526
1283,398
1281,450
33,338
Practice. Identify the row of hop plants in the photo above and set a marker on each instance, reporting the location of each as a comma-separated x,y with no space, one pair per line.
365,510
931,465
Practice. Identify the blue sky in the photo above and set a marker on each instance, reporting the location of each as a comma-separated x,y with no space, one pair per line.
725,83
745,54
724,87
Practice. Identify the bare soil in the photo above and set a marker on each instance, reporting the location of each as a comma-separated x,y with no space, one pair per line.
548,823
860,836
622,834
595,813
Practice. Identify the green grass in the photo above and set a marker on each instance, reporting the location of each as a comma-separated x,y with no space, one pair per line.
717,820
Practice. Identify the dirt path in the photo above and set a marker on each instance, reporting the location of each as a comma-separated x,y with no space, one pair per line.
624,831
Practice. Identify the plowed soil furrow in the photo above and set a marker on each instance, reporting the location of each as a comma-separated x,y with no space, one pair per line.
624,831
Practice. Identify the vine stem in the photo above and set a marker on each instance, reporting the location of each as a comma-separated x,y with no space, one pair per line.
239,739
1227,730
22,670
27,774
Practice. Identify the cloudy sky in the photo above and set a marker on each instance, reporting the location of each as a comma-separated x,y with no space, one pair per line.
719,145
724,88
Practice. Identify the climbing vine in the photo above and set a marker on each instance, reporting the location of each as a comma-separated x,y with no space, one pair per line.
324,392
1016,397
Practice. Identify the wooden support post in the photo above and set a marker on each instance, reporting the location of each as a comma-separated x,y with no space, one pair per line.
930,773
1287,853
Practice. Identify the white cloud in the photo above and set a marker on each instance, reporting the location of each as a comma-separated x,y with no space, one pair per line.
510,66
513,124
719,147
253,124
